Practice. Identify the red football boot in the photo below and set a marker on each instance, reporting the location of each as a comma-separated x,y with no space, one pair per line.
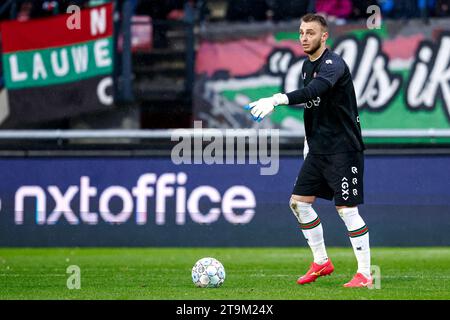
315,271
359,281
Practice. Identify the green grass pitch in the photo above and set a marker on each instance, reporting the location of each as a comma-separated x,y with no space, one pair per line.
251,273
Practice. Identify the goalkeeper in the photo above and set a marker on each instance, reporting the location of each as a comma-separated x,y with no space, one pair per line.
334,165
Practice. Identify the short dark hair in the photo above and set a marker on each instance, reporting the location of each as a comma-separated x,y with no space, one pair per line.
312,17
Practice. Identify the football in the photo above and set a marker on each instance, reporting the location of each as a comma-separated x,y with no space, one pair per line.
208,273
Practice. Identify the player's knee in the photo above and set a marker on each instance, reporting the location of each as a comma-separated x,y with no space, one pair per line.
346,211
298,205
305,199
292,204
299,208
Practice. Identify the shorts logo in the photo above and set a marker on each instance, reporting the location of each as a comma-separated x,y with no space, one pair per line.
354,181
344,188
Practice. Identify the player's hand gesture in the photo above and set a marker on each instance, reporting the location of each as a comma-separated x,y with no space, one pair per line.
261,108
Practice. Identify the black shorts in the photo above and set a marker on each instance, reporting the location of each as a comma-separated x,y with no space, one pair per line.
338,176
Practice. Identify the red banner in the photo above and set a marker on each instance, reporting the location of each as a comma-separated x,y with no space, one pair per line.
54,32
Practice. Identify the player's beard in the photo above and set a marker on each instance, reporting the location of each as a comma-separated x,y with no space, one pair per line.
314,46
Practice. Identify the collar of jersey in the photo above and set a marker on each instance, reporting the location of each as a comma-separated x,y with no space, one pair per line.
318,58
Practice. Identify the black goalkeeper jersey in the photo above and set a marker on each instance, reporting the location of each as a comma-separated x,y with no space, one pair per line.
331,119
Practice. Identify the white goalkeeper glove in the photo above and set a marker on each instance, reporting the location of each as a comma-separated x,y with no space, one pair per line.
261,108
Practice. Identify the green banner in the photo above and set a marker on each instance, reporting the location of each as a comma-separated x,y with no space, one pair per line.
58,65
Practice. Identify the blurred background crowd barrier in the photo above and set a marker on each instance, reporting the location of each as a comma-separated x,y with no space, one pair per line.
167,63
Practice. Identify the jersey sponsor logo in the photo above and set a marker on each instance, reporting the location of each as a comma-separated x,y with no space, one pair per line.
313,102
329,61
